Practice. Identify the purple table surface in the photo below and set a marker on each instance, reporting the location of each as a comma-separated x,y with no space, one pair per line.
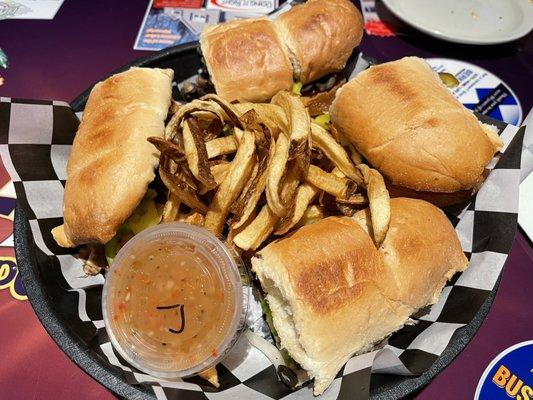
60,58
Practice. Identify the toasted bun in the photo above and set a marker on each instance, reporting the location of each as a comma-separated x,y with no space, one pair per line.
421,252
333,294
409,126
321,36
112,163
246,60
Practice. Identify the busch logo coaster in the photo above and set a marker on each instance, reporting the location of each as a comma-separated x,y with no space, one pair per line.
509,375
481,91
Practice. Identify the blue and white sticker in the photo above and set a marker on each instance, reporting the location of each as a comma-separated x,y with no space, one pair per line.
480,90
509,375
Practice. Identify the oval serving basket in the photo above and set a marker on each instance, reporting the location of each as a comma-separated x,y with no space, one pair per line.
57,304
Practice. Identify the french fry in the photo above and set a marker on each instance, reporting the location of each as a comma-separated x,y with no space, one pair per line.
329,182
211,376
379,202
247,202
234,231
219,172
171,209
304,196
351,205
355,156
312,214
276,170
335,152
193,218
238,133
355,199
260,228
221,146
232,185
299,124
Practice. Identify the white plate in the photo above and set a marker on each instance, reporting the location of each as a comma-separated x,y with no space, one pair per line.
467,21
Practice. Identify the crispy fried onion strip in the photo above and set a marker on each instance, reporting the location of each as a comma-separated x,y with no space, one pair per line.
379,201
180,183
232,185
195,150
228,108
169,149
219,172
211,107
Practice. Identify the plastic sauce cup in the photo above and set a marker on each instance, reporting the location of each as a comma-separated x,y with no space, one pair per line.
173,300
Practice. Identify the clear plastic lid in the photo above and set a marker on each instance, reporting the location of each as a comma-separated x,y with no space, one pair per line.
173,300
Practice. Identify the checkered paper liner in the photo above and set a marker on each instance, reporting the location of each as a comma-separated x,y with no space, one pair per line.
35,142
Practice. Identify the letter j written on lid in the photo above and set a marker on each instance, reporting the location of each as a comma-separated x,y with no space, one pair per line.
173,300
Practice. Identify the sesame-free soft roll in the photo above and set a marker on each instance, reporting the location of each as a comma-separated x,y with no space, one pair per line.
246,60
320,36
409,126
332,294
252,60
112,163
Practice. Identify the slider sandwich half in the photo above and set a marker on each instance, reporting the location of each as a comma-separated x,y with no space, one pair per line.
112,163
332,294
251,60
407,124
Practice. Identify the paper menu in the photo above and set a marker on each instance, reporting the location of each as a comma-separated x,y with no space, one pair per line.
165,27
29,9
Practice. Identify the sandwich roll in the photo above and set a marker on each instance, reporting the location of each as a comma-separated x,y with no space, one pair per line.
112,163
246,60
332,294
252,60
407,124
320,36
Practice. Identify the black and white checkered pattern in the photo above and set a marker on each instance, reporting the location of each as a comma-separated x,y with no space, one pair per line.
35,141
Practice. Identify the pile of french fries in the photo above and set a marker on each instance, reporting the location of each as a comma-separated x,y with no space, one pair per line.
251,172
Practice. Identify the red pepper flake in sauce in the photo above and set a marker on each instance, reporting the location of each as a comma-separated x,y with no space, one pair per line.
176,302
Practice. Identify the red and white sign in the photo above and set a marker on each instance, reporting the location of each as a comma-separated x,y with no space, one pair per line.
248,6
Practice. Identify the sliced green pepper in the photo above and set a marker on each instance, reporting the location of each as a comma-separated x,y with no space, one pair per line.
144,216
297,88
323,120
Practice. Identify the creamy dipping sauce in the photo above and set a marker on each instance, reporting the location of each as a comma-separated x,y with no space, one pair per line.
171,303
